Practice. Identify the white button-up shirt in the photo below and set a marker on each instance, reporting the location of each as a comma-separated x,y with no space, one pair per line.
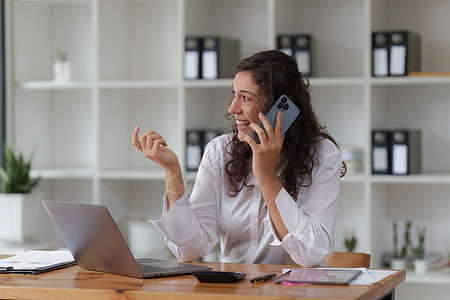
195,224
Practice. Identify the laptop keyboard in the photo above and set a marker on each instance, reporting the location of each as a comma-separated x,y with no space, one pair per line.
146,269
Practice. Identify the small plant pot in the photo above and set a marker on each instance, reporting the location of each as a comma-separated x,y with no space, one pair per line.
420,266
62,71
398,263
18,217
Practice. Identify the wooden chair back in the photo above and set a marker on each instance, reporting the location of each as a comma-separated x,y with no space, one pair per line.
348,260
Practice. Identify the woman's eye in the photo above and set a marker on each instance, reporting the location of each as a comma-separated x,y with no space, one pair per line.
245,98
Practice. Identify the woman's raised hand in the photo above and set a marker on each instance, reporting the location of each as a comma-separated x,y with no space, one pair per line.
154,147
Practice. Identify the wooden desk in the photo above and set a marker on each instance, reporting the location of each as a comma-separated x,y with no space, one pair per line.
77,283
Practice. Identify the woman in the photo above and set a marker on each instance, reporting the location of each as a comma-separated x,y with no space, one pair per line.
260,200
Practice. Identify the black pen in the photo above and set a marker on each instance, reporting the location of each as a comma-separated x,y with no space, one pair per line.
262,278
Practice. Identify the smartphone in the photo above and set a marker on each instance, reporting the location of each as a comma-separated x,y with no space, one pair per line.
290,113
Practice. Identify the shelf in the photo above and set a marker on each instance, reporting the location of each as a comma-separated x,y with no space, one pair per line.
133,174
412,179
407,80
129,84
218,83
441,276
63,173
133,84
51,85
336,81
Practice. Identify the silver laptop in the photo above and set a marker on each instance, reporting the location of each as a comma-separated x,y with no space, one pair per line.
96,243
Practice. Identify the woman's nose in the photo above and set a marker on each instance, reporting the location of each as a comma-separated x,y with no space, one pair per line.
235,107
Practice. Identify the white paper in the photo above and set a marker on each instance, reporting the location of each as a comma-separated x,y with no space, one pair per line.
380,62
400,159
287,51
380,159
191,60
193,156
398,60
302,58
378,275
209,61
35,260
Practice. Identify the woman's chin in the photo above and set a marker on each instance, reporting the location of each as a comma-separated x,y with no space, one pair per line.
242,134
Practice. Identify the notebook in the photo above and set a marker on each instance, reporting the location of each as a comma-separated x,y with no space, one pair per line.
318,276
96,243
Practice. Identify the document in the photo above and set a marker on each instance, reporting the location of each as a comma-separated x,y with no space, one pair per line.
35,262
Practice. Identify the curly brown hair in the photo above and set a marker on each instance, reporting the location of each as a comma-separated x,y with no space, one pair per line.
276,74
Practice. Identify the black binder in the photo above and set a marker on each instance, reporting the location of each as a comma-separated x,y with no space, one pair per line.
404,53
219,55
298,46
380,53
209,135
381,152
406,152
194,149
192,58
302,53
284,44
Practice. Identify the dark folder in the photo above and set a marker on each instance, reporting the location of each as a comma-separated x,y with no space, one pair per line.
219,55
302,53
209,135
406,152
380,53
284,44
381,152
299,47
192,58
404,53
194,149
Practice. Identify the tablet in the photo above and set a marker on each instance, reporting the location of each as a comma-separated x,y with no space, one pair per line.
318,276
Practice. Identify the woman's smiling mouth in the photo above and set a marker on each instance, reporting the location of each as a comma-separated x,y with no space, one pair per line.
242,125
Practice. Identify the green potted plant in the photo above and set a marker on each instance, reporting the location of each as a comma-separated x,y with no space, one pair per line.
18,205
350,241
399,257
61,67
420,264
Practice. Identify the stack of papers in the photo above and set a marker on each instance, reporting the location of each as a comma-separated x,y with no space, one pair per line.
35,262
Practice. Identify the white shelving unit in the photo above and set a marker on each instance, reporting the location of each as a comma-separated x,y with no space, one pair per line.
128,60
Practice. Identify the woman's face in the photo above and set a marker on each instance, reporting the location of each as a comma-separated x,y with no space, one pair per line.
246,103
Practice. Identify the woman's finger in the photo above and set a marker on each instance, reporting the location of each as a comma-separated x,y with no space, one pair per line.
135,138
259,131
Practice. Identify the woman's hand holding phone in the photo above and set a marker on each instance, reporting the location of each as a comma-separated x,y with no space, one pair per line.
267,151
266,140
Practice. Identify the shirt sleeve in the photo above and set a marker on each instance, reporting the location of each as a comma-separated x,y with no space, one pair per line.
310,221
190,225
